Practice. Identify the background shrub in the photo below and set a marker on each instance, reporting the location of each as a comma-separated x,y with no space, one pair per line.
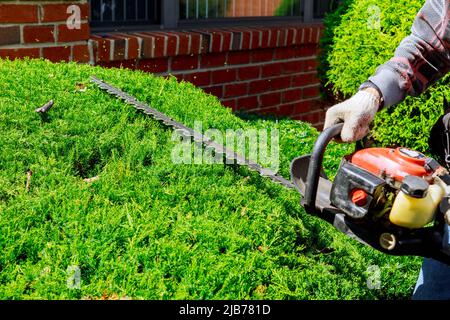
354,45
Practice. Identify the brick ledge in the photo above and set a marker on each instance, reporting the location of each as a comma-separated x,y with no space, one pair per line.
120,46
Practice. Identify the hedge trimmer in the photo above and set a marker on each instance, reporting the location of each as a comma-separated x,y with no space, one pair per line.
394,200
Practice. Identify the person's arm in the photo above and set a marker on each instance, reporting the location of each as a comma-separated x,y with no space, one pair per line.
421,59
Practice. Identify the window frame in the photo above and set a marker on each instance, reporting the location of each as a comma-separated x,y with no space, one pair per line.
170,12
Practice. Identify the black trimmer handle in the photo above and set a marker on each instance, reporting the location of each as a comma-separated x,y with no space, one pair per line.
315,164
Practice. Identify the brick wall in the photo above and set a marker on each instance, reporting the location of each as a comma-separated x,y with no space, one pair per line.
264,70
39,29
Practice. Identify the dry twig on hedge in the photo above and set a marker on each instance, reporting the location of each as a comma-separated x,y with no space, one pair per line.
45,107
29,174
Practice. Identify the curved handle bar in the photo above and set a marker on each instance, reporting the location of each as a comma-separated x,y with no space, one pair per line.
315,165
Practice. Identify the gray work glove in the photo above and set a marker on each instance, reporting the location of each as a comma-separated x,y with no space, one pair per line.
356,113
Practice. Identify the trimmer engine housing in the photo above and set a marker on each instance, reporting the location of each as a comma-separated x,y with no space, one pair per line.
369,180
394,200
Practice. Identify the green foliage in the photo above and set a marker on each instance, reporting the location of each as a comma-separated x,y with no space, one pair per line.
331,22
150,229
358,46
287,8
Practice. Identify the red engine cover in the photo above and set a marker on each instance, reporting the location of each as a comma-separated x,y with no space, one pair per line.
396,163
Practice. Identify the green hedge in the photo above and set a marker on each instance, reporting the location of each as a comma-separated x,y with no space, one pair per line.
354,50
150,229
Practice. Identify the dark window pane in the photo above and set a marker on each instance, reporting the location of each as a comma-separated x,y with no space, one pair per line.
117,13
141,9
131,10
119,10
210,9
321,7
107,10
183,10
95,10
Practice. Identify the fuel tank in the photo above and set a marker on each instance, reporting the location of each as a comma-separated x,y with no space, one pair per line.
394,163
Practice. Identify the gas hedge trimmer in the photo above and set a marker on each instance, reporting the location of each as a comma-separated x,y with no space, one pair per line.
395,200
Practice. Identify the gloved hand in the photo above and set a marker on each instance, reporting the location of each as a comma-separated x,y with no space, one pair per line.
356,113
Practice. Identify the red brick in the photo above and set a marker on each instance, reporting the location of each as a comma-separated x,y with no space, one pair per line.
285,53
286,110
58,12
38,34
199,79
265,38
246,39
302,107
172,44
304,79
235,90
298,38
307,50
149,48
290,36
310,65
312,117
247,103
256,38
293,67
196,40
312,35
292,95
154,44
9,35
215,91
311,92
221,41
67,35
272,69
274,37
119,48
56,54
259,86
80,53
227,41
270,99
282,37
239,57
18,13
213,60
307,35
158,65
184,63
103,47
183,43
19,53
280,83
224,76
262,55
133,48
248,73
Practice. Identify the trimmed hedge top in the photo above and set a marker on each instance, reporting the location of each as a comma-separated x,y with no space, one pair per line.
148,228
